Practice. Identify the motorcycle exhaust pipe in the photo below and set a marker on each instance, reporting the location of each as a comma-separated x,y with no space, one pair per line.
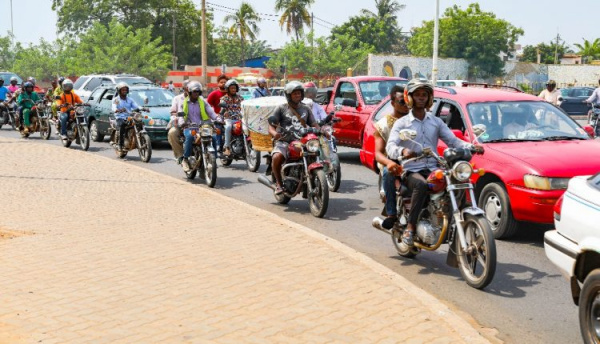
265,181
377,221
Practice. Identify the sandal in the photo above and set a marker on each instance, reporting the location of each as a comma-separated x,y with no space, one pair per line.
407,238
278,190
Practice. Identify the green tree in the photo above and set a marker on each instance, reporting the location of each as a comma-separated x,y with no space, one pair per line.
7,53
244,26
386,10
295,15
589,50
383,35
547,52
41,61
227,51
78,16
472,34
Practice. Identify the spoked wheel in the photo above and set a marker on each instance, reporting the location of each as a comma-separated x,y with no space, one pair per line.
318,198
45,129
210,169
145,149
95,135
192,173
477,264
252,158
401,248
589,308
334,179
84,137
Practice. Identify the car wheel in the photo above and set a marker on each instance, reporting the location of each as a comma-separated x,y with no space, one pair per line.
589,308
96,136
494,201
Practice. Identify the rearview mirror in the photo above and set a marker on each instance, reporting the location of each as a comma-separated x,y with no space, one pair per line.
479,129
408,134
337,107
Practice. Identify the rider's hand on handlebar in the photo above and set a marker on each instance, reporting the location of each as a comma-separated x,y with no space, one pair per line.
477,149
407,154
394,168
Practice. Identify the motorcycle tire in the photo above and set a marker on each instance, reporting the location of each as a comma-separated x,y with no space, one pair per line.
95,135
210,169
84,137
318,198
45,130
226,161
480,240
145,150
252,158
334,179
401,248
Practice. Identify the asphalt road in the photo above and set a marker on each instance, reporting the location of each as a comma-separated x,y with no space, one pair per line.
527,302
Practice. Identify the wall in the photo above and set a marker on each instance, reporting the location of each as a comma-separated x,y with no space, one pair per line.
213,72
409,66
580,75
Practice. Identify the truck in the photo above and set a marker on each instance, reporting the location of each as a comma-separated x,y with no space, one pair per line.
359,97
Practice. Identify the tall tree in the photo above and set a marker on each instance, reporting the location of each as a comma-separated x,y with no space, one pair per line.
244,25
386,10
295,15
383,36
547,52
589,50
41,61
472,34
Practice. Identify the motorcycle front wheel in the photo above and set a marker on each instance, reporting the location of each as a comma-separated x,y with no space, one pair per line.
210,169
334,179
145,149
318,199
84,137
478,264
252,158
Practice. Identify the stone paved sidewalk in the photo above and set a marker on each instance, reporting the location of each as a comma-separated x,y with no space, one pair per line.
94,250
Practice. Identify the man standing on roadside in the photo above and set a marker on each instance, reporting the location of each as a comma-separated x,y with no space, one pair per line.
214,98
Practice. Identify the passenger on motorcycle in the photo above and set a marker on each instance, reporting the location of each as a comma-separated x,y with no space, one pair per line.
310,93
57,92
594,99
261,90
214,98
68,97
195,110
174,132
390,169
26,101
13,85
122,107
287,119
419,96
49,96
234,108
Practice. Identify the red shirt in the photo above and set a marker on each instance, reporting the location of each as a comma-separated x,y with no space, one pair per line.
214,98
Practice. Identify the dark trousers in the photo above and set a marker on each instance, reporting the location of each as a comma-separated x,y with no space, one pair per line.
417,184
121,125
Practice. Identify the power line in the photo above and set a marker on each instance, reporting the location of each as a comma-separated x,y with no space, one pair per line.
324,21
212,7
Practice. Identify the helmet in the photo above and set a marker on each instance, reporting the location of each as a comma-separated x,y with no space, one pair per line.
194,86
27,84
551,83
60,80
310,87
67,85
121,85
292,86
1,80
14,78
414,85
31,80
261,80
232,82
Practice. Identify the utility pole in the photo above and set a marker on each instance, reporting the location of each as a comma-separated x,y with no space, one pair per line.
312,36
174,50
556,50
436,37
12,29
204,52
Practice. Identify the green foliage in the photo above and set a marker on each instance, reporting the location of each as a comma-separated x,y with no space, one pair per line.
40,61
243,25
547,52
228,51
477,36
7,53
589,50
295,15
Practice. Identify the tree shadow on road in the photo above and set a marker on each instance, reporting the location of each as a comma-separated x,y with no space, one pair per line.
351,186
230,182
530,234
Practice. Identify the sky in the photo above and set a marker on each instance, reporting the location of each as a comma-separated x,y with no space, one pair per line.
541,20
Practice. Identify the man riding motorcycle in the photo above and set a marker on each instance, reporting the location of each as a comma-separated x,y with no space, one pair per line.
261,90
122,107
234,107
4,91
26,101
419,96
174,132
594,99
67,97
287,119
195,110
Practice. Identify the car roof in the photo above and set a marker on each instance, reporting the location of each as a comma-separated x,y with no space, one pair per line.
133,87
114,75
373,78
468,95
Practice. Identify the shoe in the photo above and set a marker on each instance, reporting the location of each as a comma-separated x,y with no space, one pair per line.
186,165
64,137
389,222
278,190
179,160
407,238
26,130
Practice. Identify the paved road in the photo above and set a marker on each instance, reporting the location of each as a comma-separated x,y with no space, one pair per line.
528,301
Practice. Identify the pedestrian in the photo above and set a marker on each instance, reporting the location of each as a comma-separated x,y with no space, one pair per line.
171,86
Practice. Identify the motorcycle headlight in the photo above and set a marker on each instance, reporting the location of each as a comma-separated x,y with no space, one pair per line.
206,131
462,171
80,111
138,117
312,146
544,183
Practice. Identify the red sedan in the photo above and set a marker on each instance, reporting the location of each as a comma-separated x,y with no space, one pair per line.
532,149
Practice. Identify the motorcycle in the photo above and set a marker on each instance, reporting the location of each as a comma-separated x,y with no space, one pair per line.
38,119
135,137
302,173
332,167
594,122
240,145
450,216
7,113
77,127
203,160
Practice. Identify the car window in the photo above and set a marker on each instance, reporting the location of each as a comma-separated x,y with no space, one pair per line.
77,85
594,181
374,92
95,82
450,114
384,110
564,92
95,96
345,91
6,77
581,93
156,97
133,80
107,98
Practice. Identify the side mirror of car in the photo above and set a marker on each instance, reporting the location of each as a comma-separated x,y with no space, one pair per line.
408,134
146,101
479,129
350,102
109,97
90,98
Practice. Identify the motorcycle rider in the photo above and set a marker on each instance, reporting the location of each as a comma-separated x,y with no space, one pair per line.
122,107
26,101
13,87
234,107
389,168
4,91
68,97
194,110
174,131
550,94
419,96
594,99
310,93
58,91
287,119
214,98
261,90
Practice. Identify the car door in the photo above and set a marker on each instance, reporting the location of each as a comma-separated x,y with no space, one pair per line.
573,100
452,114
105,110
94,101
347,130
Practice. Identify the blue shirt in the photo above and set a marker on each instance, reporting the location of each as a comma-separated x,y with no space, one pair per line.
3,92
128,104
260,92
429,131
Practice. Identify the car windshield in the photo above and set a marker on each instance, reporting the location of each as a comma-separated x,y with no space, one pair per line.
524,121
374,91
155,96
6,77
133,81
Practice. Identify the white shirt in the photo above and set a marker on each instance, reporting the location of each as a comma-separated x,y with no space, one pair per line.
550,97
318,113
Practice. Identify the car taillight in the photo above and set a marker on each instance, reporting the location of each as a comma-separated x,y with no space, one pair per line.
558,207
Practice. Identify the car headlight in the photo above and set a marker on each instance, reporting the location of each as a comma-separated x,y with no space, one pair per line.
159,122
462,171
544,183
138,117
312,146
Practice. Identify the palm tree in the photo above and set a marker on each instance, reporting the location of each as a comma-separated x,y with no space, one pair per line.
295,15
243,25
589,49
386,10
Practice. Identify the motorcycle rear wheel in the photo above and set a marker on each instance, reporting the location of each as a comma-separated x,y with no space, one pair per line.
210,169
478,266
318,200
145,151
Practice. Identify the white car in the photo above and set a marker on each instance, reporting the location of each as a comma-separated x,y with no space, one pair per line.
574,247
85,84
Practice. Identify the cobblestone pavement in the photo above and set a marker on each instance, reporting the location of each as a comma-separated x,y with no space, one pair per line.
95,250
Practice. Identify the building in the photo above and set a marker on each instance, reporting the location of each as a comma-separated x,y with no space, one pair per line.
568,59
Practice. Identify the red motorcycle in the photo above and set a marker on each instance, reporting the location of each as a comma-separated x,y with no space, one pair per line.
302,173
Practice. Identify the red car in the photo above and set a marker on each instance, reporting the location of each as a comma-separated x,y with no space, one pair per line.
532,149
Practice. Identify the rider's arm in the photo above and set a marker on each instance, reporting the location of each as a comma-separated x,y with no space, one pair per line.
593,98
448,137
393,148
209,110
